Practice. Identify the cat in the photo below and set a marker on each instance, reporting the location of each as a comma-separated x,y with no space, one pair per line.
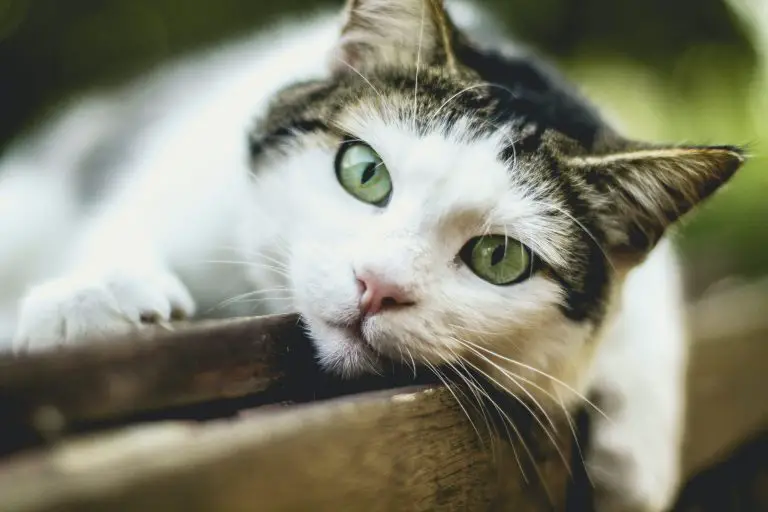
414,185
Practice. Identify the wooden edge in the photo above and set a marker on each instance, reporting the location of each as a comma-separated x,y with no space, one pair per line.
411,449
195,371
45,392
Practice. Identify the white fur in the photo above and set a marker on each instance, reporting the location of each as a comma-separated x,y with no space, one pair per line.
182,190
187,227
640,372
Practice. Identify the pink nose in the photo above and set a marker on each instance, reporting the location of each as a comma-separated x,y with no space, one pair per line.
378,293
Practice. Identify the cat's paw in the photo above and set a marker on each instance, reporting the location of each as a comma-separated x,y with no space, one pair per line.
68,310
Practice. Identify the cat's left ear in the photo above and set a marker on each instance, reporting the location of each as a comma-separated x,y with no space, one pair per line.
638,192
394,32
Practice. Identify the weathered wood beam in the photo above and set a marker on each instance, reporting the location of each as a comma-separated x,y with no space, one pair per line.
49,391
411,449
195,371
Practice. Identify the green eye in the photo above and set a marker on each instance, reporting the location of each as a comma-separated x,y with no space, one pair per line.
497,259
363,174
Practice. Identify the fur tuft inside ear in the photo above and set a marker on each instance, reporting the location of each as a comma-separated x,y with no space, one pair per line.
396,32
639,193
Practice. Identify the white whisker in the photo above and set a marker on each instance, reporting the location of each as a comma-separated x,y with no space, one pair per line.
519,436
440,376
245,296
278,270
358,73
446,102
478,393
575,435
584,229
413,362
543,374
549,434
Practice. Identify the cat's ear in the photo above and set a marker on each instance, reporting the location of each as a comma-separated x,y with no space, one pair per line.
639,192
394,32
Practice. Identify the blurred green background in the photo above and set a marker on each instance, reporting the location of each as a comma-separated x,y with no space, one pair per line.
675,70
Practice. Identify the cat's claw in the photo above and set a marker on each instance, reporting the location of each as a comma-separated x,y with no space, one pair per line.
71,309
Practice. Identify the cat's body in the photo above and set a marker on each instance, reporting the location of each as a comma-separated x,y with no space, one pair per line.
188,120
134,206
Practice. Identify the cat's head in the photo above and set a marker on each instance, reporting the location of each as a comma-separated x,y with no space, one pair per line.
452,205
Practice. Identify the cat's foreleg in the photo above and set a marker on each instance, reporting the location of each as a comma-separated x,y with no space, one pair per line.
127,266
639,383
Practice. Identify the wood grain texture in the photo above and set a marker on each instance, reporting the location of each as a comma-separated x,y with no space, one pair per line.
410,450
44,392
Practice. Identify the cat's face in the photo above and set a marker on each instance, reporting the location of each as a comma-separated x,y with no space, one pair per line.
431,220
444,223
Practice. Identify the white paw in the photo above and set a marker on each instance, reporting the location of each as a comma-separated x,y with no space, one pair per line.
71,309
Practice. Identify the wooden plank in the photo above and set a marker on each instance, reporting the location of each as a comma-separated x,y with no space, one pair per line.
44,392
157,367
220,366
396,450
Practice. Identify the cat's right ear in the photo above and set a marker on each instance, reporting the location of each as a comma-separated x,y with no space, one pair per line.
398,33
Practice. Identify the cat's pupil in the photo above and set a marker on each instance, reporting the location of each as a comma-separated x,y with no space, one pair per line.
498,254
368,174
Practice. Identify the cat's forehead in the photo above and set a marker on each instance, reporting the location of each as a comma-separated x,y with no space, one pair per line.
432,98
447,160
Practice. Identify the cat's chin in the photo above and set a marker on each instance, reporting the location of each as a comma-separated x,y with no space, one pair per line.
343,349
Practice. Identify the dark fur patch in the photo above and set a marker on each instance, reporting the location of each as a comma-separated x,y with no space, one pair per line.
256,144
586,292
530,90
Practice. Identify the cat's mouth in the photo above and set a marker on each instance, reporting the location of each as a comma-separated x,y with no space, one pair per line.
353,354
